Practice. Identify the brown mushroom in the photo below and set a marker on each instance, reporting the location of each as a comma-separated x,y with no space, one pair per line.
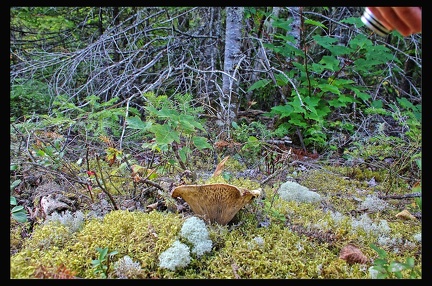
215,202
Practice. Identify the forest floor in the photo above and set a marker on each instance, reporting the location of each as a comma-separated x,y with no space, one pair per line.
362,203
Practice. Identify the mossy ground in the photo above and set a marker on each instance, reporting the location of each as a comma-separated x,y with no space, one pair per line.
300,240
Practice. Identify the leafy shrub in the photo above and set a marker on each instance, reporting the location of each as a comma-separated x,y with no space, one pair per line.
101,118
28,97
383,268
101,265
18,213
325,85
174,124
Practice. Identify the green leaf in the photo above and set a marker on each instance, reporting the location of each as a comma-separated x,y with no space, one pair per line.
164,134
282,110
167,113
102,253
201,142
186,124
405,103
17,209
20,216
345,99
360,41
197,124
354,21
136,123
15,184
377,104
252,139
397,267
183,154
363,96
315,23
340,82
96,262
381,252
298,122
338,50
324,41
330,63
281,79
282,23
259,84
330,88
410,262
336,103
13,201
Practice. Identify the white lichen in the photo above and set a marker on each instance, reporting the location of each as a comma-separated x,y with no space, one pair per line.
374,204
418,237
256,243
366,224
195,231
175,257
126,268
74,222
292,191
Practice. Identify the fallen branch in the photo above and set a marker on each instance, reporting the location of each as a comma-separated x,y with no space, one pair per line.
401,197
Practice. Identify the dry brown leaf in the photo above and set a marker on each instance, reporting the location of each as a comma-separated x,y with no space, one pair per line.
221,144
406,215
220,166
152,207
351,254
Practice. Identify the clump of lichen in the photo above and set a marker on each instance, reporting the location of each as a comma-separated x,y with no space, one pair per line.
292,191
175,257
194,232
126,268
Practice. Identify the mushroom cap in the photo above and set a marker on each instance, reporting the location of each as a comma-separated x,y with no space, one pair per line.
215,202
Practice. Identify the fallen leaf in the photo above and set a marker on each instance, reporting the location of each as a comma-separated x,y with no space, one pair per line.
220,166
351,254
406,215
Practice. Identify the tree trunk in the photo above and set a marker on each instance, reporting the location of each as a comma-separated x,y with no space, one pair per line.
229,100
296,26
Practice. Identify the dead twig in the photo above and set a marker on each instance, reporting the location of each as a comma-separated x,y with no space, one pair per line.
401,197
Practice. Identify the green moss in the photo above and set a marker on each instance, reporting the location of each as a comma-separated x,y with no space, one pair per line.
142,236
284,254
301,240
16,239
